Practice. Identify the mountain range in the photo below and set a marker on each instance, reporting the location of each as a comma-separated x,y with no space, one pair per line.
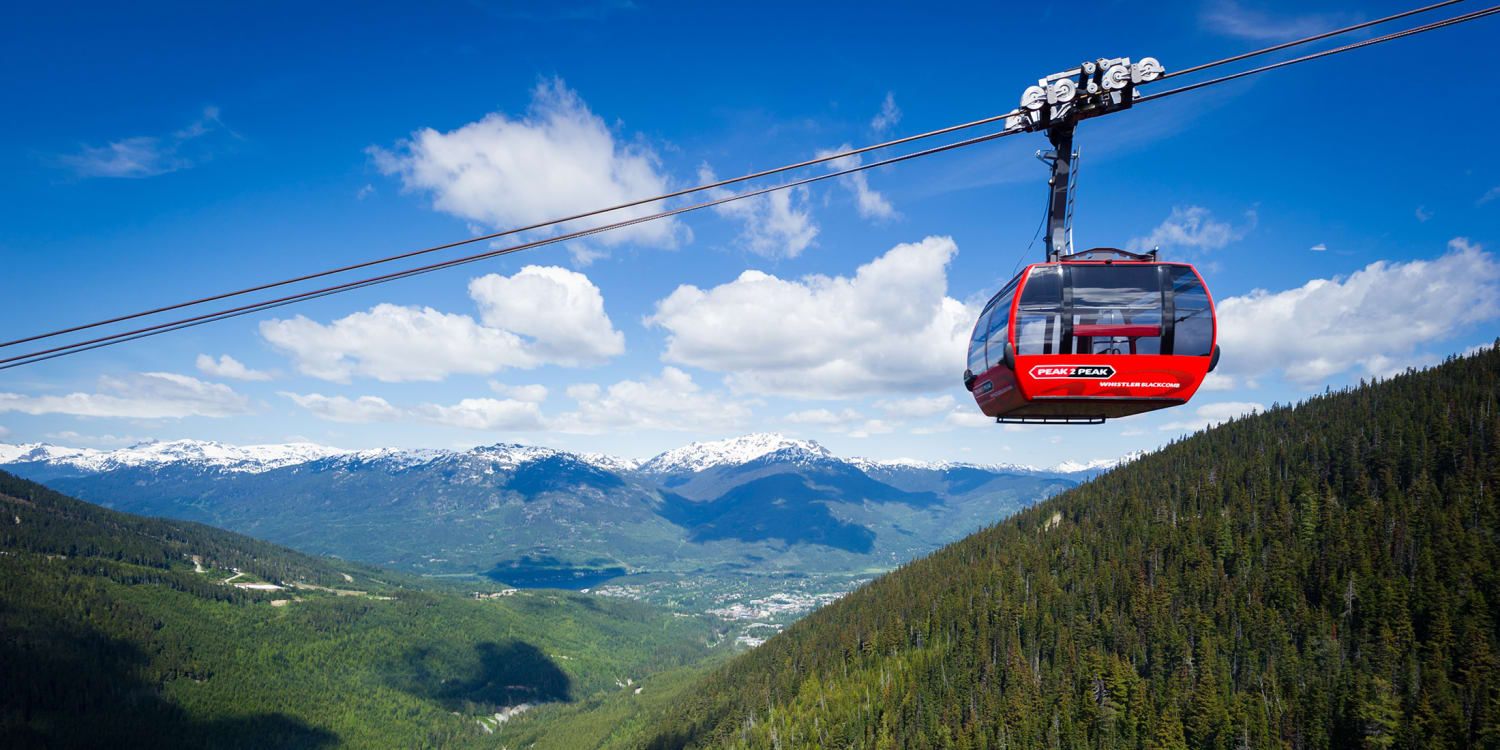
528,514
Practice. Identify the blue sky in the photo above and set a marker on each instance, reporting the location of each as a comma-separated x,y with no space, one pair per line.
1344,213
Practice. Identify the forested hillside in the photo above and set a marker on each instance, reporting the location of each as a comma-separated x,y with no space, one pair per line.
123,631
1323,575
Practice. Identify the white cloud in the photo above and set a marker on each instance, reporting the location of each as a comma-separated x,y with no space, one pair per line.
365,192
4,431
1488,196
889,329
671,401
961,416
776,225
556,160
469,413
484,414
228,367
1218,381
825,417
148,156
1423,214
343,409
1374,320
532,393
394,344
1318,248
916,408
72,438
870,203
150,395
874,427
1231,19
1212,414
559,312
1193,228
888,116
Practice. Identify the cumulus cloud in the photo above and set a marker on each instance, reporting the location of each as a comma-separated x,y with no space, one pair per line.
72,438
775,225
916,408
870,203
484,414
469,413
670,401
1193,228
825,417
1374,320
560,310
533,393
888,116
344,409
874,427
541,315
1318,248
148,156
961,416
891,328
1208,415
1232,19
149,395
557,159
228,367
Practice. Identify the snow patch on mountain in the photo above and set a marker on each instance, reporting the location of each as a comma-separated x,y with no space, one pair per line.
1066,467
690,458
208,454
695,457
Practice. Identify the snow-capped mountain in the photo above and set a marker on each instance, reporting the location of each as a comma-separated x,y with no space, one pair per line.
695,457
1064,467
691,458
763,501
207,454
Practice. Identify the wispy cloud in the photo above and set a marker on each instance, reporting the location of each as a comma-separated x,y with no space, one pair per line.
1194,227
229,367
150,395
1423,214
1318,248
1229,18
148,156
1488,196
889,114
870,203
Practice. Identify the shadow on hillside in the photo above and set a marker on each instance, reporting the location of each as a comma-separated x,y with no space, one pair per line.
494,675
66,686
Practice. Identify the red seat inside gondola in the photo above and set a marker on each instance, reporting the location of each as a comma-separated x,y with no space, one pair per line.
1111,329
1092,336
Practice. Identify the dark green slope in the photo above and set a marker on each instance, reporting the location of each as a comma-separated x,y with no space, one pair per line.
1322,575
109,637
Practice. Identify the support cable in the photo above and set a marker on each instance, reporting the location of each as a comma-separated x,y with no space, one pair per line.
1304,40
53,353
518,230
1325,53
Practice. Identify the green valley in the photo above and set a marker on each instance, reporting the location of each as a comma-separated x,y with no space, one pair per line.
113,637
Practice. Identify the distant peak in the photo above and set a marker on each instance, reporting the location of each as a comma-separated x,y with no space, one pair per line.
732,451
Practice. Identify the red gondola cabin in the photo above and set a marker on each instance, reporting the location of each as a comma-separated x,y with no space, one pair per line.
1095,335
